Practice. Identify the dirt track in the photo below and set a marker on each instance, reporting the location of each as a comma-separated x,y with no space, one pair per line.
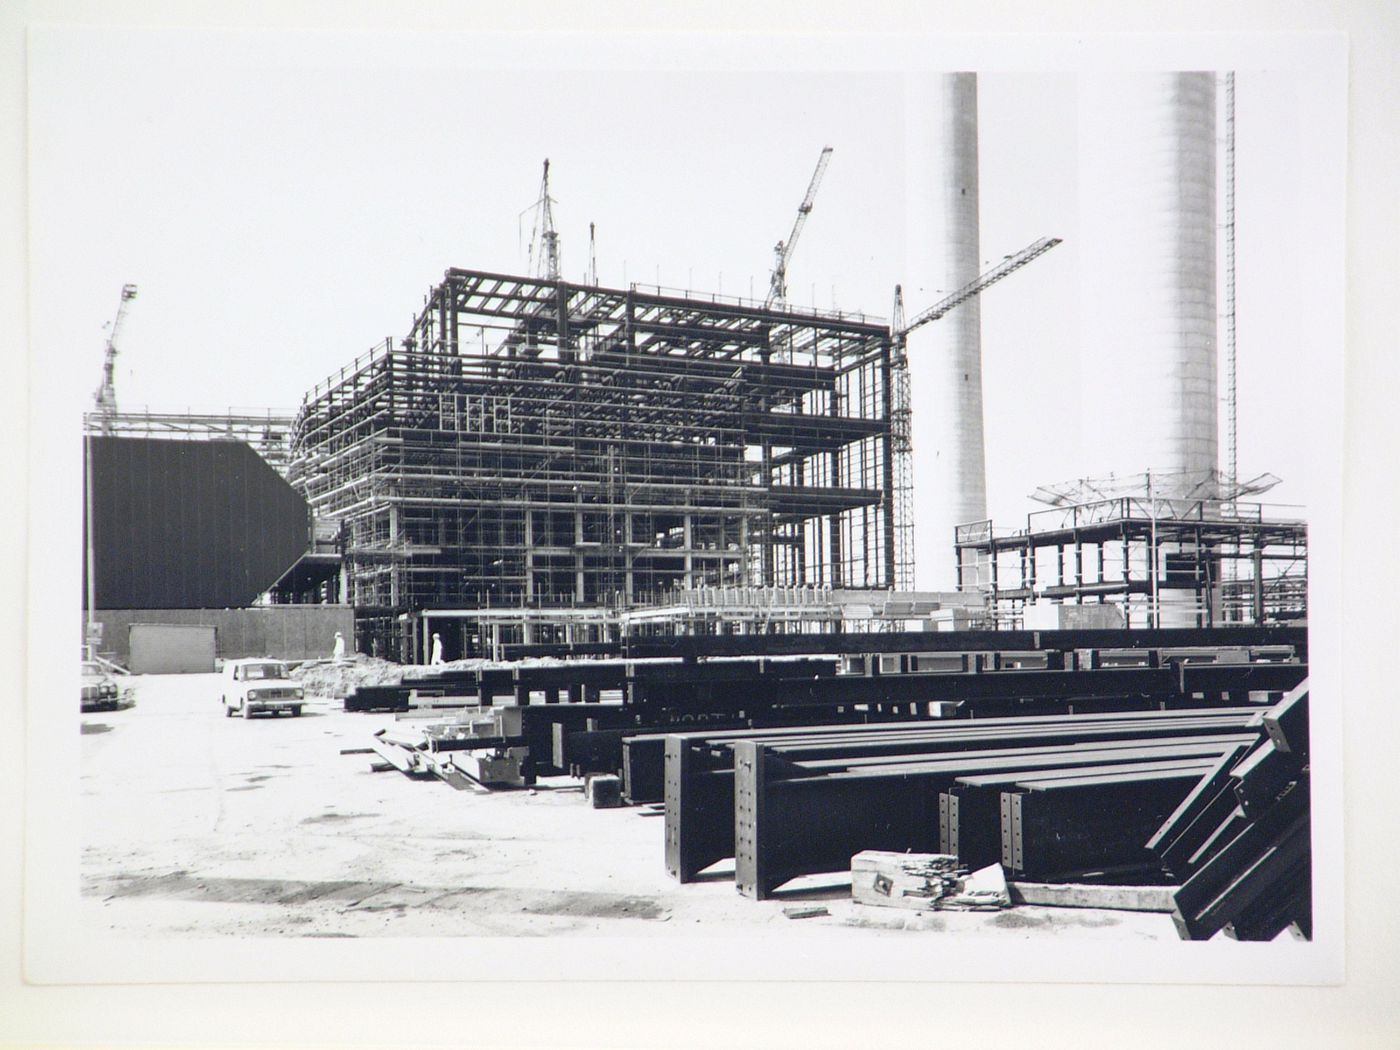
200,825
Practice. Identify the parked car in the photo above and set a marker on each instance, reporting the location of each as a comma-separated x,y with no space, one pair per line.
100,692
250,686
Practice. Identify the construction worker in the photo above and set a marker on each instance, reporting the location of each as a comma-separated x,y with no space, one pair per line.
437,649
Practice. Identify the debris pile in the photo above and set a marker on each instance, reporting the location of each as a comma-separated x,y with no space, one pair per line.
336,678
936,881
340,678
478,747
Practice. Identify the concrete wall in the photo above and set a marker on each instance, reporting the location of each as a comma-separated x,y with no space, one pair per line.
287,632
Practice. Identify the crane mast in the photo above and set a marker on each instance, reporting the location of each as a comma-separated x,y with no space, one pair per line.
902,445
106,395
592,255
544,240
1232,462
782,251
901,412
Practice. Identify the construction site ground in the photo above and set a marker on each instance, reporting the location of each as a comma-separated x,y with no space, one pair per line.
196,824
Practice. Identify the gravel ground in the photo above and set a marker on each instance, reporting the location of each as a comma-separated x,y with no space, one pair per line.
194,824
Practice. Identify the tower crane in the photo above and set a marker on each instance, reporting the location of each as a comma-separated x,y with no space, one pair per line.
782,251
106,395
901,412
544,239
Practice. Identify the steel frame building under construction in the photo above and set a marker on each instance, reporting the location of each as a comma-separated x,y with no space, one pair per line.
543,445
1164,562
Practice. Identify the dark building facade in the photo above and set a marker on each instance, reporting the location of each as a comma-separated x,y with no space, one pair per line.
187,524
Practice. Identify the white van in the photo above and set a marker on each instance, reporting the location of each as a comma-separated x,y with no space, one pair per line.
250,686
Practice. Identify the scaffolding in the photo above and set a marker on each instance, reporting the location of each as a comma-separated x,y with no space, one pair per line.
1161,561
267,430
539,444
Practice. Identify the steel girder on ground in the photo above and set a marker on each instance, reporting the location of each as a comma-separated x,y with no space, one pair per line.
892,764
1064,641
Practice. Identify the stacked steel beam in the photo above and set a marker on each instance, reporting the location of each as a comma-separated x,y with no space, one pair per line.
1240,842
831,680
786,803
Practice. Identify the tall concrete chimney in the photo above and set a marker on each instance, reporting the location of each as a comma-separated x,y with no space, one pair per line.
950,484
1149,310
1149,316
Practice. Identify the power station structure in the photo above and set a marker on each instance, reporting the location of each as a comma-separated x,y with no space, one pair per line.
703,507
268,432
546,461
1159,536
192,538
537,451
1123,554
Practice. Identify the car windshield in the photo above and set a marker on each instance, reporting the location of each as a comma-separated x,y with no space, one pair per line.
251,671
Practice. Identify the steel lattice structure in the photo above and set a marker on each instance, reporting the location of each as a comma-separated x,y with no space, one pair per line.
536,443
1201,562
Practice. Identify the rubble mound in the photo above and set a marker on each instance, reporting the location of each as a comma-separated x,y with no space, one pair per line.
335,678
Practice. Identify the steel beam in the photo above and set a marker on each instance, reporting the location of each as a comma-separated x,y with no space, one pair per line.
1263,776
694,798
1083,687
643,754
1256,854
689,647
969,825
784,828
1287,722
1277,870
1052,830
1188,827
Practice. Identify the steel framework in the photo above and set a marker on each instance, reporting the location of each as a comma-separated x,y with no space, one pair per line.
535,444
1218,564
268,431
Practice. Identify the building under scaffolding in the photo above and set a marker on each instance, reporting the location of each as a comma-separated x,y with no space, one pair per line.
1162,562
541,445
268,432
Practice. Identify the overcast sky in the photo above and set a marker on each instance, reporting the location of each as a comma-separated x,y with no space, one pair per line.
285,201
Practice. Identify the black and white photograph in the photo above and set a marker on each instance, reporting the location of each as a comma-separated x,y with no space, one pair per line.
685,507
